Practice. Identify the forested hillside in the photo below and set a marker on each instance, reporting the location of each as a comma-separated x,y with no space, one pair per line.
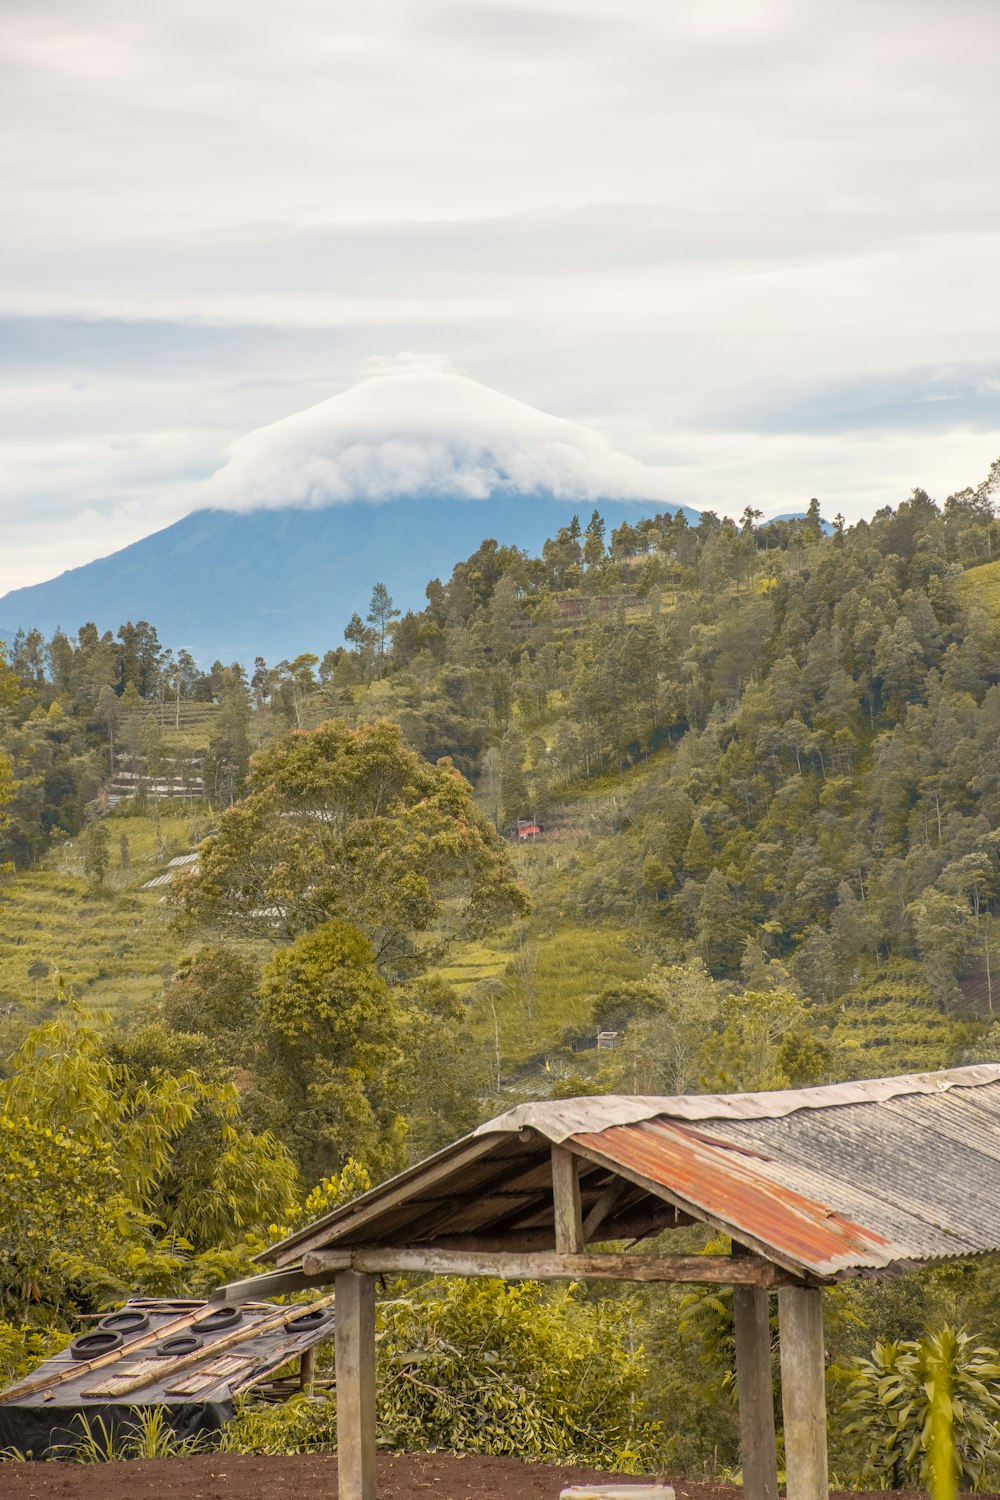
726,796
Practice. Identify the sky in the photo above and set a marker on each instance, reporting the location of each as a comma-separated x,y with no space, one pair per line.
748,246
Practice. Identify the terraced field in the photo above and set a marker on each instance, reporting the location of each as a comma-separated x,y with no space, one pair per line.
111,948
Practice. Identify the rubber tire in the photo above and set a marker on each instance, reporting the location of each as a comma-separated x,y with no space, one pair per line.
307,1320
222,1317
91,1345
180,1343
125,1322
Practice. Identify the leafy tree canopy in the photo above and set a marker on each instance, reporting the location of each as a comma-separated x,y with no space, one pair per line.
349,824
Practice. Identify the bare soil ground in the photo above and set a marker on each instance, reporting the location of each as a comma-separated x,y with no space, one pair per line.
401,1476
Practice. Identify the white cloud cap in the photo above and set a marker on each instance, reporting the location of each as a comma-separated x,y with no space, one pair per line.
415,425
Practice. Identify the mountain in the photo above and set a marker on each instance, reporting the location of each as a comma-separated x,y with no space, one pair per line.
394,480
275,583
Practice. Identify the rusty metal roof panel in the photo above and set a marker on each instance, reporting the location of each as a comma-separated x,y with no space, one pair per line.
921,1225
928,1149
848,1177
880,1188
727,1185
885,1180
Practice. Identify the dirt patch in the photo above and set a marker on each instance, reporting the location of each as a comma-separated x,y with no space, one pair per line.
306,1476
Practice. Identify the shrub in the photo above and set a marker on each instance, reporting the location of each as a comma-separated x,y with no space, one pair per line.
896,1397
482,1367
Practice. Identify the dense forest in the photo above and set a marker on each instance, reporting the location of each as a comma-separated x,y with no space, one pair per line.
726,795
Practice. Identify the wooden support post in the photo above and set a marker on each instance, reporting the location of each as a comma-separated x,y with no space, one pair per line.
803,1392
307,1369
566,1202
753,1381
354,1349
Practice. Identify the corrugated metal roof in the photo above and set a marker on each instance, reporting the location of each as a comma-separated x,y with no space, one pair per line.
848,1178
558,1119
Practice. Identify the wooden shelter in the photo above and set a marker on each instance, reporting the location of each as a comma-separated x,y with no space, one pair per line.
812,1185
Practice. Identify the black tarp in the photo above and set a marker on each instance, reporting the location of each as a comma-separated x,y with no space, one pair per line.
45,1431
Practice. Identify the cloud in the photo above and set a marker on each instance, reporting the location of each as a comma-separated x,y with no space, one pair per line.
752,244
415,425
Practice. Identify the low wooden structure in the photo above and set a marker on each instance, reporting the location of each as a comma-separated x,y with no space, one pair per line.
812,1185
183,1357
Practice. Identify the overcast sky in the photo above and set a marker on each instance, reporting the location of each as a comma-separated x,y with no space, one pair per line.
753,244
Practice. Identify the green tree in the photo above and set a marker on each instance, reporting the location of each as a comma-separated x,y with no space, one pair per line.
668,1047
350,824
765,1043
215,992
99,1158
698,857
721,931
594,552
139,657
332,1028
96,854
228,758
293,685
438,1044
109,712
895,1397
514,802
381,614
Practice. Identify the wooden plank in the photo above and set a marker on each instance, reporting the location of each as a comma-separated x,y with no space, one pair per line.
551,1266
605,1201
498,1196
110,1386
755,1387
632,1226
203,1377
307,1369
636,1225
354,1350
566,1207
191,1383
521,1239
231,1364
269,1361
803,1392
267,1284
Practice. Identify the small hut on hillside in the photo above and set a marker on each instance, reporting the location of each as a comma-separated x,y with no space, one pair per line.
855,1179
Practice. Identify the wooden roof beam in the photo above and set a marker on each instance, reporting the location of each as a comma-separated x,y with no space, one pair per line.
724,1270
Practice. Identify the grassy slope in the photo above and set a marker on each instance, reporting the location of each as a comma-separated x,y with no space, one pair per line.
110,949
983,585
531,990
528,989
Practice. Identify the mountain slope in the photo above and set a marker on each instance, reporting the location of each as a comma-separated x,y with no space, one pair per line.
394,480
278,582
